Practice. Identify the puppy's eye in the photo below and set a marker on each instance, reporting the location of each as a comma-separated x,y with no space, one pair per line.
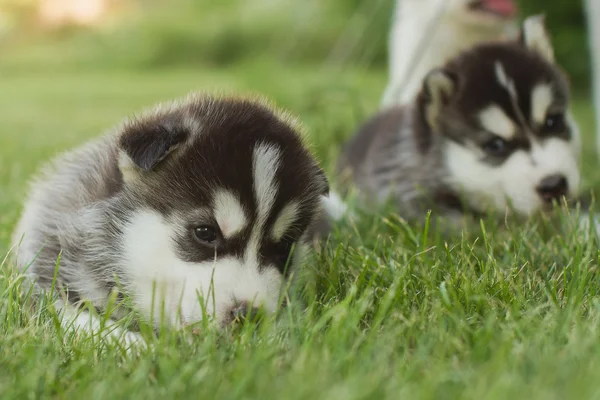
205,234
496,147
554,123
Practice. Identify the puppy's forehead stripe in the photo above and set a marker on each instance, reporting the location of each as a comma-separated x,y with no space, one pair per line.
286,218
509,85
541,100
265,163
501,75
504,80
266,160
494,119
229,213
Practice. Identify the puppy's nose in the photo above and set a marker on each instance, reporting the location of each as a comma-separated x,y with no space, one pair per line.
242,312
553,187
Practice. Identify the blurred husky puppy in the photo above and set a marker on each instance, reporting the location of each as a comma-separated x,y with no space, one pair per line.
489,131
427,33
198,208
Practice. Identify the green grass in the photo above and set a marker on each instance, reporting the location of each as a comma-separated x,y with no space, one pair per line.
383,311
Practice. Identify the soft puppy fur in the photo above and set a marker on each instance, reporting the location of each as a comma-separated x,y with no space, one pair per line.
489,131
425,34
200,207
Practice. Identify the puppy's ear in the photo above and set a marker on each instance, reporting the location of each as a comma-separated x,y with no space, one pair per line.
143,146
439,86
535,37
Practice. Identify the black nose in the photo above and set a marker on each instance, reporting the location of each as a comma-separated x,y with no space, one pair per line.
553,187
242,312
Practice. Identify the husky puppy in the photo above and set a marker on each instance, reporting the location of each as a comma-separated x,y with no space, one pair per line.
490,130
427,33
198,208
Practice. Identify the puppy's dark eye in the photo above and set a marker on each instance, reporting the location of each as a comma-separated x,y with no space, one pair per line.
497,147
555,123
205,234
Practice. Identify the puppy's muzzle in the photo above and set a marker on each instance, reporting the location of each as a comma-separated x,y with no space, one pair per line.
243,312
553,187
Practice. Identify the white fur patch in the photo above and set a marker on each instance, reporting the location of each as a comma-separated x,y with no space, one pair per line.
541,99
508,84
515,181
166,289
504,80
82,322
334,206
265,163
229,213
495,120
284,221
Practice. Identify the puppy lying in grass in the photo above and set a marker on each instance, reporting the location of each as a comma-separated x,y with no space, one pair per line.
198,209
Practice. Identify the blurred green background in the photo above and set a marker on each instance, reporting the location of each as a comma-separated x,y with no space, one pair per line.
62,83
158,34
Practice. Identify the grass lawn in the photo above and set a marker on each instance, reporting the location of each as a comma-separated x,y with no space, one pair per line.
384,311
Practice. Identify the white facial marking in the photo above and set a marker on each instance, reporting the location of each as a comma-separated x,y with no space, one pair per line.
508,84
265,163
541,99
229,213
504,80
515,181
284,221
495,120
501,74
160,283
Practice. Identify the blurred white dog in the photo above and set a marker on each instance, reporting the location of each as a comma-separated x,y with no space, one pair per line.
426,33
593,18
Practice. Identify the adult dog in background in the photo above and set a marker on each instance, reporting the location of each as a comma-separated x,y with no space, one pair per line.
427,33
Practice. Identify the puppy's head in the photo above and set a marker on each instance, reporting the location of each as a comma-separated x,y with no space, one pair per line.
482,14
502,112
221,193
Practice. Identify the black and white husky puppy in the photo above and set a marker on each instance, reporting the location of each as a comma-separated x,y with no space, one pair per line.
489,130
425,34
200,207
